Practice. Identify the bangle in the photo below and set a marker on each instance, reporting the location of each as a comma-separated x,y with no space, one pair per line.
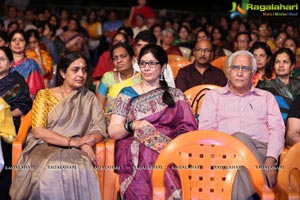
69,142
128,126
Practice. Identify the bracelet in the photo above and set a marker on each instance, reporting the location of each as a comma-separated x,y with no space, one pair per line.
128,126
69,142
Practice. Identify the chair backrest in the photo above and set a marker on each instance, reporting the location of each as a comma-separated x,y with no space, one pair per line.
288,181
213,159
175,58
195,95
177,65
222,63
186,52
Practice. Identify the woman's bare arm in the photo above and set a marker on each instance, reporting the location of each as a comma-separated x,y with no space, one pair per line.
52,137
293,131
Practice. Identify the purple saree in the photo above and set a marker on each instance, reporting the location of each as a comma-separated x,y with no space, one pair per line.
136,154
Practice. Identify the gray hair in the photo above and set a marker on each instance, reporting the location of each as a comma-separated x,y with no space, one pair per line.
170,30
243,52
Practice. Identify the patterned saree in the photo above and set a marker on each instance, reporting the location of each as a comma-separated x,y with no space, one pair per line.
136,154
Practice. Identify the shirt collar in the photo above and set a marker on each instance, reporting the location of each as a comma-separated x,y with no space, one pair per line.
207,69
226,90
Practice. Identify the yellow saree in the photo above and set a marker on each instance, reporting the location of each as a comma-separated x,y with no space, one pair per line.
113,88
7,128
54,172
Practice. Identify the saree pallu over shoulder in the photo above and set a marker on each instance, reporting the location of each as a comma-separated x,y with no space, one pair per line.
115,89
151,107
154,101
15,92
167,121
32,74
80,113
60,172
283,93
136,154
74,116
110,88
47,61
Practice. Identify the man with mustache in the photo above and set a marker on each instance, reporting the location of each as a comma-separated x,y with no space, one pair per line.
201,71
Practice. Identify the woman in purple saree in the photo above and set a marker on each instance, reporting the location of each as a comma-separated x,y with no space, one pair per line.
144,119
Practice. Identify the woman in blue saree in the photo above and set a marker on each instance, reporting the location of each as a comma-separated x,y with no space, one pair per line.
144,119
26,67
284,87
13,88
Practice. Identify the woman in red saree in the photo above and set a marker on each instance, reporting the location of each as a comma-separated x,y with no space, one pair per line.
145,118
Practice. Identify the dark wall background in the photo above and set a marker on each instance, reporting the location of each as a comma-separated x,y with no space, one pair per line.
191,5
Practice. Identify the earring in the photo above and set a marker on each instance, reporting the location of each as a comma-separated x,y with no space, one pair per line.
162,78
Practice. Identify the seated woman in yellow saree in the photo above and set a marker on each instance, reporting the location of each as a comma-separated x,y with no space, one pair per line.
67,122
7,128
113,81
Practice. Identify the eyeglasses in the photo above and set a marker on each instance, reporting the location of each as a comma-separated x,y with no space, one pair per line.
203,50
236,68
2,60
151,63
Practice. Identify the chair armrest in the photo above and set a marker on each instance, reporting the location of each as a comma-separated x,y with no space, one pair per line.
111,178
288,176
17,146
100,157
266,193
283,193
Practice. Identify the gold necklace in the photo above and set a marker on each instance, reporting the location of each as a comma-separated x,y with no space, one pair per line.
62,92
